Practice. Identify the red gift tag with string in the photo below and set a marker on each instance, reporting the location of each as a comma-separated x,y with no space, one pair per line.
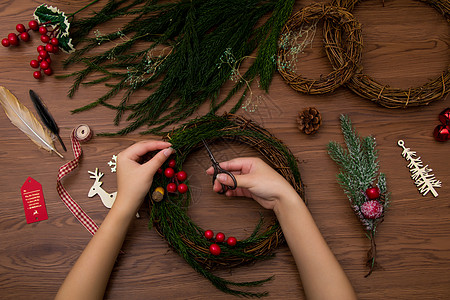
33,201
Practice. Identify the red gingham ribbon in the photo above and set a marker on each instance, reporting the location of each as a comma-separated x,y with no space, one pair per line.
74,208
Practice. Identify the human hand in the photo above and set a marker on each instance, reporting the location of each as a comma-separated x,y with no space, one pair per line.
135,178
255,179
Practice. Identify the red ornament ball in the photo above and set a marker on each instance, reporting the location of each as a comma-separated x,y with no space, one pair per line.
172,163
181,176
171,187
33,24
20,28
444,116
214,249
231,241
441,133
37,74
373,193
372,209
182,188
5,42
209,234
220,237
169,172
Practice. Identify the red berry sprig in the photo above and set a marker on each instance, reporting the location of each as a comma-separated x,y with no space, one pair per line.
214,248
43,61
176,178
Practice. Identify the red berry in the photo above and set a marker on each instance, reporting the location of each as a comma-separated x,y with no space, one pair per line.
373,193
43,30
181,176
49,60
172,163
209,234
171,187
34,64
55,49
40,58
214,249
24,36
43,54
20,28
44,65
372,209
49,48
45,38
33,24
13,40
159,171
37,74
40,48
231,241
5,43
48,71
220,237
54,41
182,188
169,172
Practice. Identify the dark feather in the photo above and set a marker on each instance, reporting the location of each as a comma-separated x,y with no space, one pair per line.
46,117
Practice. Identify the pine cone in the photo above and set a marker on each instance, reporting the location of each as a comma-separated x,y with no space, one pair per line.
309,120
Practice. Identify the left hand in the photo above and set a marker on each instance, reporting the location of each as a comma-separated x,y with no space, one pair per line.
134,178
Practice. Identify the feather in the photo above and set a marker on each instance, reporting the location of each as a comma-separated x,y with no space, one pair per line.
46,117
24,119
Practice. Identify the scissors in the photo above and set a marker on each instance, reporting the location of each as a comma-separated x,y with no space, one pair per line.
218,170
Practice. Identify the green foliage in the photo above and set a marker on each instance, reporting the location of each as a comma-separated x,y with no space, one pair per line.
180,64
358,162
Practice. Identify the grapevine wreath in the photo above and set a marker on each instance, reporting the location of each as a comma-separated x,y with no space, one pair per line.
170,215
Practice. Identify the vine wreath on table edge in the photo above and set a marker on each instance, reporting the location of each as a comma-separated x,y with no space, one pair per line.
343,45
170,216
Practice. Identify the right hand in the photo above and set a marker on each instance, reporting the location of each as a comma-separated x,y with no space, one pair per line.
255,179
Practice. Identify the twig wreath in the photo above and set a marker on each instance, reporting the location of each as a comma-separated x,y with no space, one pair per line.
366,87
170,216
344,48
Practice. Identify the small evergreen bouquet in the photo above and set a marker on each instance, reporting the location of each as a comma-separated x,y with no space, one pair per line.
358,172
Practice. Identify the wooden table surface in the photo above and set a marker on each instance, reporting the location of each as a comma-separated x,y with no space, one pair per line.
405,44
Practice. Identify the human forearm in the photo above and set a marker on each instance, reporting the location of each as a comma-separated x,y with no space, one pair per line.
321,273
89,276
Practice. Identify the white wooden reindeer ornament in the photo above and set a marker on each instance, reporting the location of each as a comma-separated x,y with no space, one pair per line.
96,189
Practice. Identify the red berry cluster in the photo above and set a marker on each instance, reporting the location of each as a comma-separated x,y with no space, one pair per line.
214,249
43,60
177,178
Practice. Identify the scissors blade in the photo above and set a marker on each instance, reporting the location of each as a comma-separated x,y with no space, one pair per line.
211,156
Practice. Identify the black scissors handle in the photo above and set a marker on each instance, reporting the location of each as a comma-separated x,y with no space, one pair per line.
218,170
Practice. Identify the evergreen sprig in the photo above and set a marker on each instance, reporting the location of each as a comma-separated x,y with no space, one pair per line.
197,32
358,171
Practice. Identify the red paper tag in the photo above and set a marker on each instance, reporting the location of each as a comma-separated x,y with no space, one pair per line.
33,201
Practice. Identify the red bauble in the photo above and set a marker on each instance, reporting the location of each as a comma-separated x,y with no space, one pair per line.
231,241
373,193
169,172
5,43
209,234
33,25
182,188
444,116
181,176
171,187
442,133
34,64
172,163
20,28
214,249
48,71
220,237
37,74
372,209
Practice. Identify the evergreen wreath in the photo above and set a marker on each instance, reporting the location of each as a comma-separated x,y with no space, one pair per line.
170,216
358,172
175,52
